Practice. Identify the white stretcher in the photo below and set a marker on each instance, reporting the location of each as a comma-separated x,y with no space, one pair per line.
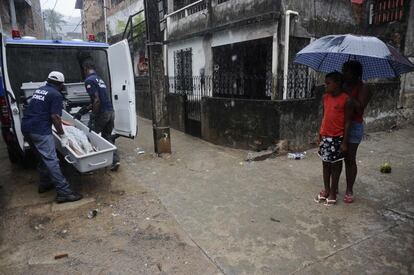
88,162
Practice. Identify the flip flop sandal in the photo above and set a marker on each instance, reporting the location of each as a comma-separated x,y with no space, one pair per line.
348,198
329,202
321,196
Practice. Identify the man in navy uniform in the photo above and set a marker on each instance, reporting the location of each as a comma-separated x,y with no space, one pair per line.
102,116
45,109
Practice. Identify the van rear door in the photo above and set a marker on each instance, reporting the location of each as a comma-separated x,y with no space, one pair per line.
123,89
11,98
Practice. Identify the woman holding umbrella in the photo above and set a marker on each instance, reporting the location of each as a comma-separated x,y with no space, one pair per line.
352,71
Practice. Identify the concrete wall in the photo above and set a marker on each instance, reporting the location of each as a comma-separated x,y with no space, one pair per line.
322,17
381,111
28,26
176,111
237,123
118,15
143,97
92,12
222,14
242,34
235,10
193,23
257,124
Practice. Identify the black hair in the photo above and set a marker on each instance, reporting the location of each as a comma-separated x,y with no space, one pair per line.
336,77
354,66
88,64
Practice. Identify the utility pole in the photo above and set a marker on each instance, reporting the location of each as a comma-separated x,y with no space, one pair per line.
161,128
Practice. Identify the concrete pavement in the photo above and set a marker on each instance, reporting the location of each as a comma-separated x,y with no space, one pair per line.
203,210
260,218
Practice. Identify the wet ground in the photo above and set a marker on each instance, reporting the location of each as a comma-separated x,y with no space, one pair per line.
203,210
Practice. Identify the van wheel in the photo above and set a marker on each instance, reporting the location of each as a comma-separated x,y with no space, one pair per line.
14,156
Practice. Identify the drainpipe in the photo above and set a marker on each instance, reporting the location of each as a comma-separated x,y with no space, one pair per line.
106,26
286,51
13,15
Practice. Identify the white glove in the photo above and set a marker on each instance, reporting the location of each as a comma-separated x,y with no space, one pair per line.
64,140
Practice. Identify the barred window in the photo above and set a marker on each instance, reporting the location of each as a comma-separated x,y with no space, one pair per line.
183,68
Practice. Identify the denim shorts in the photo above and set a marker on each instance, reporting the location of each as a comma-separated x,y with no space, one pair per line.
356,132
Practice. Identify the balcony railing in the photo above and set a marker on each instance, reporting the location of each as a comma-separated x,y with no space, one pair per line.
192,8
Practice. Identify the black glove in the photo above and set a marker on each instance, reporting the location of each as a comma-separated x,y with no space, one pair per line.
92,122
77,116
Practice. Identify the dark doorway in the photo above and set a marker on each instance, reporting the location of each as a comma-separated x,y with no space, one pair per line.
241,70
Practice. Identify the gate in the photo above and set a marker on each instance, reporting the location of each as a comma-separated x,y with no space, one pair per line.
195,89
193,106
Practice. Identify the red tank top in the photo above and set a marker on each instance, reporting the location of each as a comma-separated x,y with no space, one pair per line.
333,122
355,92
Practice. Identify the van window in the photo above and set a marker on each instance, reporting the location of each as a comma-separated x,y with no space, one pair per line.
34,63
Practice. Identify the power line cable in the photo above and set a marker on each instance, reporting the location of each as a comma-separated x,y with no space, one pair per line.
77,26
55,5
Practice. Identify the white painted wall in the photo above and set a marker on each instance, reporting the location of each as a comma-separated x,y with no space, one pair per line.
199,60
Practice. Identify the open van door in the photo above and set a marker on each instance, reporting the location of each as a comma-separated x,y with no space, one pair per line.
123,89
16,116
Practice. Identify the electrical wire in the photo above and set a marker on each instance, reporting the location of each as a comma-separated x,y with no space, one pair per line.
77,26
55,5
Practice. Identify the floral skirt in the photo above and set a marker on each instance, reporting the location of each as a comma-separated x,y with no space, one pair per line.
330,149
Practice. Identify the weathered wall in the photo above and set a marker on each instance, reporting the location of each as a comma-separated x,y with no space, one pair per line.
322,17
176,111
257,124
92,12
143,97
29,22
247,124
300,121
229,12
381,111
193,23
118,14
235,10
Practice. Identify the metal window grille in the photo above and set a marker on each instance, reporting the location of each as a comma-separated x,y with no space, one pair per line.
183,64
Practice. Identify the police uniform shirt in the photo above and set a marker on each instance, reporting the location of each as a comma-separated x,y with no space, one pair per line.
94,84
46,100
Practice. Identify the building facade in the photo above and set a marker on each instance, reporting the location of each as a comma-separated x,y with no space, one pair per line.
241,44
23,15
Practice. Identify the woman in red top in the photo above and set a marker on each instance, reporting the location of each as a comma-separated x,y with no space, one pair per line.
354,86
337,112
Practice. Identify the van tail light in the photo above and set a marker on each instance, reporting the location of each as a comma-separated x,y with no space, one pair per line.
4,112
16,34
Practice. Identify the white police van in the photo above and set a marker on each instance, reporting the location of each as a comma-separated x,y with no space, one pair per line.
26,63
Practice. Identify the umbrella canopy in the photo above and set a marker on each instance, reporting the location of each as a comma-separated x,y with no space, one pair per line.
379,60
